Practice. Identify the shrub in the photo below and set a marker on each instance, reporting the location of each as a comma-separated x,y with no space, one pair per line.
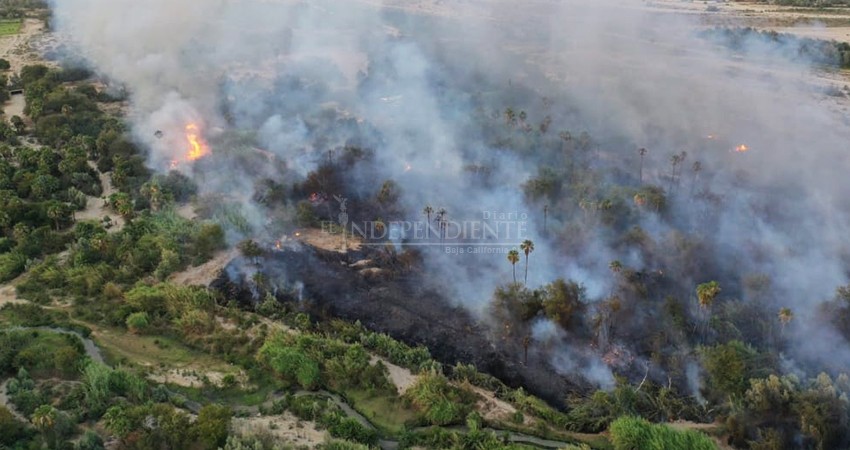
631,433
138,322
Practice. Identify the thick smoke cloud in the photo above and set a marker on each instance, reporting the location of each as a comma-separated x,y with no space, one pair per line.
628,76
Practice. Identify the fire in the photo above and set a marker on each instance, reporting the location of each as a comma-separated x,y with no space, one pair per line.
197,147
741,148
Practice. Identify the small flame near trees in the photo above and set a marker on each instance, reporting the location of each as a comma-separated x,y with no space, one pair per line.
197,147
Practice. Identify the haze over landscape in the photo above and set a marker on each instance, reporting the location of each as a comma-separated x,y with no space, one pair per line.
424,224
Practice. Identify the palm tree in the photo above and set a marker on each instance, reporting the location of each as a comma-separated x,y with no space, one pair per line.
785,317
428,210
696,168
513,257
442,221
44,419
642,153
527,247
706,293
674,161
55,211
682,157
545,218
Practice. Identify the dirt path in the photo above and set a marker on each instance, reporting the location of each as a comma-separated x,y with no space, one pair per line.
207,272
8,295
14,107
95,206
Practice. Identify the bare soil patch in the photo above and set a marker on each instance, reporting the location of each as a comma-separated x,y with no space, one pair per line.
285,428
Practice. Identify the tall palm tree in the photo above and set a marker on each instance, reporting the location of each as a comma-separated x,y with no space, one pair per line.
428,210
674,162
706,293
443,221
527,247
682,157
642,153
696,168
513,257
785,317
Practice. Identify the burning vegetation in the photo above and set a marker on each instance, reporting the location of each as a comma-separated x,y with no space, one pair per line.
675,282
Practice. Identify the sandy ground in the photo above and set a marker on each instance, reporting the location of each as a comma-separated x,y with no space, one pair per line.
401,377
8,294
328,241
285,428
19,48
14,107
96,208
204,274
186,377
187,211
494,409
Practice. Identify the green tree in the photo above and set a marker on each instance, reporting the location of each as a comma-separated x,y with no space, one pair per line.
213,424
250,249
290,363
56,212
18,124
728,367
563,301
10,429
122,204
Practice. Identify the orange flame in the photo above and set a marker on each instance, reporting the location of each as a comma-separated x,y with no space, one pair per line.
741,148
197,147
